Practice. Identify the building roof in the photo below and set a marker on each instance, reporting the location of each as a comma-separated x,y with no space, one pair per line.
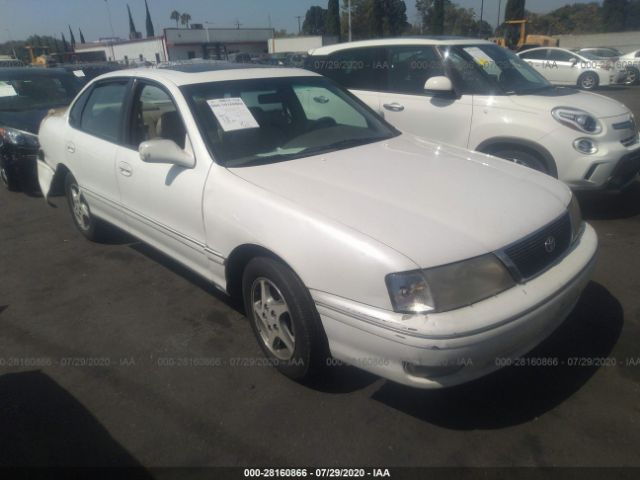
418,40
202,73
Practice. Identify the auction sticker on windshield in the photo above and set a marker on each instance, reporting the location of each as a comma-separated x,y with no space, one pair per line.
479,56
232,114
7,90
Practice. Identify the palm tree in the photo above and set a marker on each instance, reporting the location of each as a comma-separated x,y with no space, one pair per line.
185,18
175,15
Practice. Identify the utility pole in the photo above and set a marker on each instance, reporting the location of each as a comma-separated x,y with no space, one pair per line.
299,17
498,20
481,10
350,35
113,35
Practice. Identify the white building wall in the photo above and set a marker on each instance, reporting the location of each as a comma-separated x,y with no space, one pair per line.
299,44
623,41
130,51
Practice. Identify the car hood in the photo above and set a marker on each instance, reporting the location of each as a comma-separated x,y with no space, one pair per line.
598,105
433,204
26,120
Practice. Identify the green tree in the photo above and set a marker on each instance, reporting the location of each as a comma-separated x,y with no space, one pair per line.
149,23
175,15
614,14
185,18
515,10
314,21
432,13
332,24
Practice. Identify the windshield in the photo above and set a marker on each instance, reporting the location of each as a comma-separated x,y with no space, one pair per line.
250,122
491,70
24,92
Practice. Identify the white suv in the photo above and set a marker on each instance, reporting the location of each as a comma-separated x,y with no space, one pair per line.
477,95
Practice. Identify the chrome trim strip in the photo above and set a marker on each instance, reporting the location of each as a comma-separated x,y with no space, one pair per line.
159,226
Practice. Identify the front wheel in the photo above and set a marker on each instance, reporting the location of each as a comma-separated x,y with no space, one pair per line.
84,221
284,318
9,178
521,157
588,81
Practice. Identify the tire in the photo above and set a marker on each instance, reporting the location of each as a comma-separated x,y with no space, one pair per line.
521,157
81,215
588,81
10,179
287,325
633,76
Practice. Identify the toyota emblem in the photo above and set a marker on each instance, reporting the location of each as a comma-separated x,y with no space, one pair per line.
550,244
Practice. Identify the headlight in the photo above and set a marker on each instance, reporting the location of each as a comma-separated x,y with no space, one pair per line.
448,287
577,119
18,137
576,218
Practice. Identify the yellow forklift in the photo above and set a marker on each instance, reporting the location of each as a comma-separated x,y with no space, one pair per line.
516,37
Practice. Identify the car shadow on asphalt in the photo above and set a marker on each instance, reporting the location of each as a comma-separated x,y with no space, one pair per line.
519,394
609,205
43,425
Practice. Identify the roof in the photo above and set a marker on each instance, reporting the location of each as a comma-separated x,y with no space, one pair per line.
202,73
419,40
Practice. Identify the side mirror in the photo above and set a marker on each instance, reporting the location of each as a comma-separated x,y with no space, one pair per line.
160,150
439,86
573,61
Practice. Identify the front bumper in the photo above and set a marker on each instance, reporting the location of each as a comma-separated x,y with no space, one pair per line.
19,162
440,350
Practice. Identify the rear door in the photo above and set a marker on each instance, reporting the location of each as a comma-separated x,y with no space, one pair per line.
92,144
537,58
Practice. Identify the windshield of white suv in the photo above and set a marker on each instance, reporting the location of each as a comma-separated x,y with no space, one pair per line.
252,122
491,70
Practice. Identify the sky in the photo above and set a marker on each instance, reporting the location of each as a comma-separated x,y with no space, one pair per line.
51,17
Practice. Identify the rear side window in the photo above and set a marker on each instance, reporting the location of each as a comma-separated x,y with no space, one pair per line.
358,69
560,56
534,55
102,114
411,66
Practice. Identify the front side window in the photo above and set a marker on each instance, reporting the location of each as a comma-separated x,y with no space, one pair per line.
249,122
155,116
358,69
410,68
102,114
562,56
491,70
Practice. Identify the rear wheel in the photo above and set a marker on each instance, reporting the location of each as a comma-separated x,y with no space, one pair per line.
588,81
633,76
284,318
521,157
84,221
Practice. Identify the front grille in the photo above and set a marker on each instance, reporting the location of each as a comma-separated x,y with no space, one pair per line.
537,252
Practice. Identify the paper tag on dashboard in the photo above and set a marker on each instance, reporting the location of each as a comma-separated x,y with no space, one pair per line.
232,114
78,73
7,90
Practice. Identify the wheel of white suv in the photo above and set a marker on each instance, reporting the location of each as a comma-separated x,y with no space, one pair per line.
284,318
588,81
521,157
84,221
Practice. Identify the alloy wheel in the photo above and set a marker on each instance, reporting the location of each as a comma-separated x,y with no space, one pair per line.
80,208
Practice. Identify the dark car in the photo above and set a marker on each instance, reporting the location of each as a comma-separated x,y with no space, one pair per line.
26,95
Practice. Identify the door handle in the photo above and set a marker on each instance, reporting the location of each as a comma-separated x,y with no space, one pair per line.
125,169
394,107
71,148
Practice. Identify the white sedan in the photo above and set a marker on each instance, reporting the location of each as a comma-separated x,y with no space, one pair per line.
631,62
564,67
425,264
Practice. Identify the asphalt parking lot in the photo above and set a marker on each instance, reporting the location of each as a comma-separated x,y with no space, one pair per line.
110,355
